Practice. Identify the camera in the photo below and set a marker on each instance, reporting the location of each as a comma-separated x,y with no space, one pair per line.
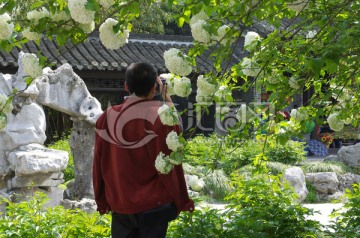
158,93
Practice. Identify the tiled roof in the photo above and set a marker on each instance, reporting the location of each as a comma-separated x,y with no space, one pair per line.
93,56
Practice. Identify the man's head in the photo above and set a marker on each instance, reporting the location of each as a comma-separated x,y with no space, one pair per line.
140,78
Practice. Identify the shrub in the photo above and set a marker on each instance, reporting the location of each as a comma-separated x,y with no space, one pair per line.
347,224
63,144
32,219
292,152
217,185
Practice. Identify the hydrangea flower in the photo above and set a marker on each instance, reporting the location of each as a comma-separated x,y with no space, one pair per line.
34,36
182,86
88,28
177,64
205,86
36,15
250,37
200,16
195,183
297,6
199,33
79,13
168,115
299,115
335,123
250,68
222,37
172,141
6,27
311,34
109,38
60,16
31,65
106,3
169,83
162,164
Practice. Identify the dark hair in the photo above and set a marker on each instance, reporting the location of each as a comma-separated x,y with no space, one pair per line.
140,78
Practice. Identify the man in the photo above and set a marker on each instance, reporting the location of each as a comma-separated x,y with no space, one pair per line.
128,139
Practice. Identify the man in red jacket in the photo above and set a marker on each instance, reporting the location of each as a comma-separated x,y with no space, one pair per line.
128,139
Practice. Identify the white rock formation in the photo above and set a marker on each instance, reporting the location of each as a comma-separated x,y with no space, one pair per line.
350,155
296,177
325,183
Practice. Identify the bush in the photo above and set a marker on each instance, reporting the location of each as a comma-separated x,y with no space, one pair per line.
292,152
347,224
32,219
63,144
325,166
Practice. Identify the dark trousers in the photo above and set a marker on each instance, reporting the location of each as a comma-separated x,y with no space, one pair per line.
149,224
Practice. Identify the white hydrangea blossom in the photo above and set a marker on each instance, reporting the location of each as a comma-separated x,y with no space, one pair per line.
335,123
293,83
311,34
34,36
79,13
169,83
162,164
250,68
205,86
299,115
168,115
6,28
5,107
172,141
60,16
297,6
200,16
195,183
222,37
343,96
31,65
36,15
182,86
177,64
250,37
88,28
109,38
106,3
199,33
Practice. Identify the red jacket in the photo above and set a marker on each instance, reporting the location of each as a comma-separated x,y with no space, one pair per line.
128,139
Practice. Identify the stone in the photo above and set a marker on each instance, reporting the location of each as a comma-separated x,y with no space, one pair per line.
33,159
38,180
296,177
350,155
23,194
5,83
325,183
85,204
63,83
347,180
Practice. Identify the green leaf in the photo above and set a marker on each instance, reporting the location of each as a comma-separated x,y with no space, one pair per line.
316,65
181,21
92,5
61,39
28,80
36,5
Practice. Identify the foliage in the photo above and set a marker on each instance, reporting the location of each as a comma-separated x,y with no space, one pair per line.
217,185
347,223
312,195
260,206
325,166
348,133
274,168
63,144
32,219
292,152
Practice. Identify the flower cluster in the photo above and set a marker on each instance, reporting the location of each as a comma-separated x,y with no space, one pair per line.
31,65
87,28
6,27
106,3
36,15
299,115
205,89
60,16
222,37
162,163
298,6
176,63
311,34
195,183
169,83
251,37
182,86
199,33
109,38
173,142
334,122
200,16
250,68
168,115
79,13
34,36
